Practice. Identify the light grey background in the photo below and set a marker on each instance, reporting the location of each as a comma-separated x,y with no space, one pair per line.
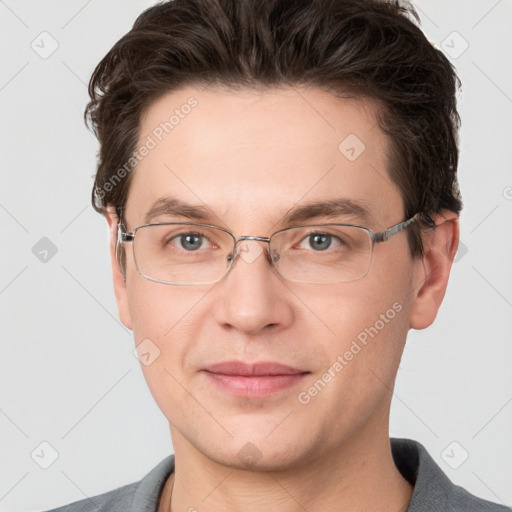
68,374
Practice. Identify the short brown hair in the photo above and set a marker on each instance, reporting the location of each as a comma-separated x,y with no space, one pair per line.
366,48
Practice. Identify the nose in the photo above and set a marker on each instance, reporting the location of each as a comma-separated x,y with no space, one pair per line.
254,298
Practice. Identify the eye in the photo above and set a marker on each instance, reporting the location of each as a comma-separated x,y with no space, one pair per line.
188,241
320,241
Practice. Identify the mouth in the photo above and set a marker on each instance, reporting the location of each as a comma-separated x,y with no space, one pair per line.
253,380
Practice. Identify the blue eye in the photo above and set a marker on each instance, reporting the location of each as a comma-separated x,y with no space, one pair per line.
200,241
319,241
191,242
188,241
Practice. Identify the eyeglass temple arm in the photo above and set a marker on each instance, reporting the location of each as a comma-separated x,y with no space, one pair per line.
122,236
393,230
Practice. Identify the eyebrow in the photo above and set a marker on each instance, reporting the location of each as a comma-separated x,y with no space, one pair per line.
173,206
332,208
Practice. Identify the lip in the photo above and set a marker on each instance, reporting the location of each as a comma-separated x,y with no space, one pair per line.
252,369
253,379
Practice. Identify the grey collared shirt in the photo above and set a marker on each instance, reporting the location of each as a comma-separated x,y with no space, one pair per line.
433,491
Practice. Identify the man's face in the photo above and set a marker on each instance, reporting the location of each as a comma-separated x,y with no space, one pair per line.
250,157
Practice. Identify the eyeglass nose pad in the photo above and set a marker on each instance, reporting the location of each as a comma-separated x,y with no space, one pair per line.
249,250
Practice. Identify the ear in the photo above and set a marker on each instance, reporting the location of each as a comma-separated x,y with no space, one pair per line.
433,270
117,275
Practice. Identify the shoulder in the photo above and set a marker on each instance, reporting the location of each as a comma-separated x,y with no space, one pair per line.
116,500
433,490
141,496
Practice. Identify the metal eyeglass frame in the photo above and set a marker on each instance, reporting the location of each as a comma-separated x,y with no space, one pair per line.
383,236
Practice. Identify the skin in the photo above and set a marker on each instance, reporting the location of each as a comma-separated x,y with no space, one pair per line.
250,156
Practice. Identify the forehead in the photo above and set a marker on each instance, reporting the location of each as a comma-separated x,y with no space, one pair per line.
252,155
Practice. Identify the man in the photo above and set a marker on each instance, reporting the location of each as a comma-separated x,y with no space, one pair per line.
279,181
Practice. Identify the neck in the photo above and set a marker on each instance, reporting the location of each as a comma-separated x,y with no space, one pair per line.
360,475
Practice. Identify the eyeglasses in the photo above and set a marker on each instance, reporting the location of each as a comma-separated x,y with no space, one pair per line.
186,253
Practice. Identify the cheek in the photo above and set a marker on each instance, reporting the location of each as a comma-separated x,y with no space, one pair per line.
376,305
165,331
364,327
158,310
164,328
363,352
382,305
